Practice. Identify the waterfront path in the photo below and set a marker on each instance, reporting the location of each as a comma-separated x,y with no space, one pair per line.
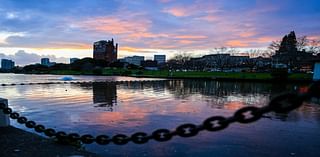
17,143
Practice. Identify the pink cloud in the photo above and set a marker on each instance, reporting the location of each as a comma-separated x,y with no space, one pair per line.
116,25
265,39
186,41
191,37
236,43
247,34
72,45
165,1
313,37
209,18
178,11
147,35
207,28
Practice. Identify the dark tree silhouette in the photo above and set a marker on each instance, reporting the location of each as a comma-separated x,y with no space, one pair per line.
301,43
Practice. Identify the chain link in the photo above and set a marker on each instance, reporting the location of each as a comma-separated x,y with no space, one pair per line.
282,103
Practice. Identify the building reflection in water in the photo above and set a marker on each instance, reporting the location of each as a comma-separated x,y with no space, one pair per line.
217,94
104,95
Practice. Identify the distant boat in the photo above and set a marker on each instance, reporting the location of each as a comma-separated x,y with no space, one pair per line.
66,78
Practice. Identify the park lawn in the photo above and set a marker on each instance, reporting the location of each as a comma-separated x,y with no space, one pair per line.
70,72
158,73
203,74
220,75
118,71
302,76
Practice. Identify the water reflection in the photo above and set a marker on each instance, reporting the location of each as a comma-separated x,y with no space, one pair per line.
104,95
220,95
109,108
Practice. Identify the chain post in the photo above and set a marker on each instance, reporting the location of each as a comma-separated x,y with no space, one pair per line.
4,118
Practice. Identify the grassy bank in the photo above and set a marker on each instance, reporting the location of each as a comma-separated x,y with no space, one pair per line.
180,74
224,75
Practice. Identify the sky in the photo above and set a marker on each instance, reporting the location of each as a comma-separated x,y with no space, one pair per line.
62,29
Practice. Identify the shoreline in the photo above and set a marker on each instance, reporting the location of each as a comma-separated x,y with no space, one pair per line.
221,76
16,142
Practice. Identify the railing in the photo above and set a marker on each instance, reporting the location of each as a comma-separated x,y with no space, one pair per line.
282,103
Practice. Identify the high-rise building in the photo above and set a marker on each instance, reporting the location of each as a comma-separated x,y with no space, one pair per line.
45,61
73,60
7,64
105,50
136,60
160,58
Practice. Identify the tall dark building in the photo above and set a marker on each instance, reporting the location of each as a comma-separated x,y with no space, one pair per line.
105,50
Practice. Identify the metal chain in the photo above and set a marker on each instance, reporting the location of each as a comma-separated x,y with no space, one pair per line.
282,103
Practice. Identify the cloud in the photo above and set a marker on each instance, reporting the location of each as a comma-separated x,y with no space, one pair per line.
209,18
165,1
191,37
236,43
5,35
247,34
162,25
115,25
178,11
23,58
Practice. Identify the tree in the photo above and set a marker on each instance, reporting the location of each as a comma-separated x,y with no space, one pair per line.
60,66
220,50
179,61
220,60
302,43
253,53
182,57
274,46
314,46
35,68
288,43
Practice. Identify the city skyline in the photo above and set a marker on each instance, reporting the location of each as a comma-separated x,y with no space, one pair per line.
67,29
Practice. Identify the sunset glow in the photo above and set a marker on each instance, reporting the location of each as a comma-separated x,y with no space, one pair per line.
68,28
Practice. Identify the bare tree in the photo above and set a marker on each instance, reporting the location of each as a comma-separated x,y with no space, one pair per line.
179,60
314,46
303,43
219,50
182,57
267,54
274,46
253,53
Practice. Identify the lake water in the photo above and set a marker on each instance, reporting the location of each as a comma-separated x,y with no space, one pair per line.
125,108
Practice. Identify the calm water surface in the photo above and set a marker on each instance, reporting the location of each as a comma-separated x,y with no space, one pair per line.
126,108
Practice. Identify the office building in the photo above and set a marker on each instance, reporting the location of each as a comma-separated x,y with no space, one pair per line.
136,60
105,50
7,64
160,58
45,61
